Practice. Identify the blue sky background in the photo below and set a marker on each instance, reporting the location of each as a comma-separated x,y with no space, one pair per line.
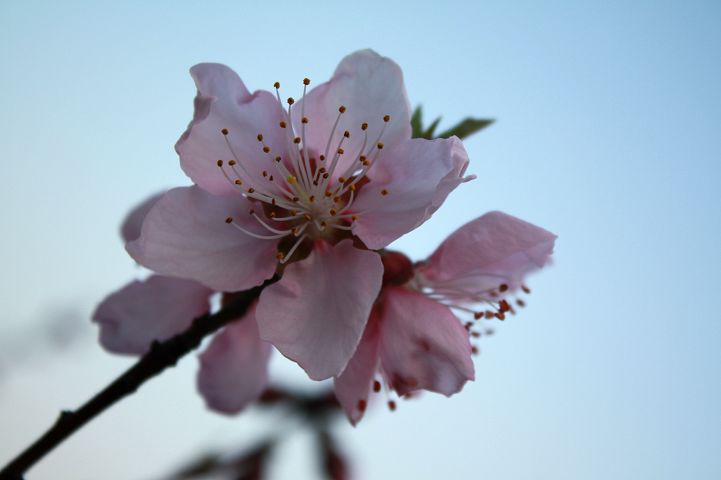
608,135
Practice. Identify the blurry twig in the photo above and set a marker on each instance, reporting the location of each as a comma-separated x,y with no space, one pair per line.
161,356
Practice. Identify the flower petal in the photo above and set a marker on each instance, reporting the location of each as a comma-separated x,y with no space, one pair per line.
234,368
154,309
493,249
223,102
353,385
409,183
423,345
369,86
315,315
130,228
185,235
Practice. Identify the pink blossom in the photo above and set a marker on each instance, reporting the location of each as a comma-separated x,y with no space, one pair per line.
413,340
234,367
309,190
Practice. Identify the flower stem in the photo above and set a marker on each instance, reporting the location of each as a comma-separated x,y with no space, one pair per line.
160,356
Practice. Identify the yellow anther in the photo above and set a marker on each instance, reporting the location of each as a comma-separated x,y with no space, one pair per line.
291,179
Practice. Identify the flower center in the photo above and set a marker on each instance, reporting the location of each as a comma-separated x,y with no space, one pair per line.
307,194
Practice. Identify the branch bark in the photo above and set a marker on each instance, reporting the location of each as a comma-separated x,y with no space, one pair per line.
160,356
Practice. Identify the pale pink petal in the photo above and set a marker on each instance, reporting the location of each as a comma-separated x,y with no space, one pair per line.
130,228
493,249
223,102
315,315
423,345
353,385
408,184
185,235
154,309
234,368
369,86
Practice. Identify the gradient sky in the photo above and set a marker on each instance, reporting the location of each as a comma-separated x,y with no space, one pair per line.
608,135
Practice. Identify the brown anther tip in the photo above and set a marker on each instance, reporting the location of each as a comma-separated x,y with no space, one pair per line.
219,163
392,405
340,151
232,162
325,175
283,124
353,218
277,158
251,190
276,85
500,315
332,211
290,101
520,303
229,220
251,212
224,131
386,118
304,120
503,287
362,404
474,350
259,137
328,194
238,182
346,134
384,192
264,173
311,199
306,81
376,386
341,179
322,157
266,149
505,307
296,140
362,158
488,314
352,188
525,289
341,109
279,255
380,145
364,126
475,334
477,315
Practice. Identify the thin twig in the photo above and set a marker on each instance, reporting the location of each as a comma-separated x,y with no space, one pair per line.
160,356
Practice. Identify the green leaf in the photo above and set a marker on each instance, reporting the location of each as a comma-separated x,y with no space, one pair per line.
467,127
428,134
417,122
